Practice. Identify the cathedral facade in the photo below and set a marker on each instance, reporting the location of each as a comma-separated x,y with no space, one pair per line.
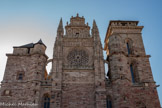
77,78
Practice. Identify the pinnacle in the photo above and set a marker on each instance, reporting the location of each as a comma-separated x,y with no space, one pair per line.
60,24
94,24
60,27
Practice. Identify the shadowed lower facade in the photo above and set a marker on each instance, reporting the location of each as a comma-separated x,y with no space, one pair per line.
77,78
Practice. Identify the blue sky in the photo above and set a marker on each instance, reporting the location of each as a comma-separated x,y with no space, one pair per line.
25,21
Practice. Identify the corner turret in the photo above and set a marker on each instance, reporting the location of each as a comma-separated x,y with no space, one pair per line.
39,47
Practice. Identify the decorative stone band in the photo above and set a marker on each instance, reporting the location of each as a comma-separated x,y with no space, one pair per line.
77,67
76,35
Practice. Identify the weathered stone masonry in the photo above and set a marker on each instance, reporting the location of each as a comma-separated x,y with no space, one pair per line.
77,78
130,83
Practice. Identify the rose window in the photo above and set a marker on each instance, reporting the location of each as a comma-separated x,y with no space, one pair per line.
77,58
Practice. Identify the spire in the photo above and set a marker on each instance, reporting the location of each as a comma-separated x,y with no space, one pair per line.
94,24
60,27
95,29
97,40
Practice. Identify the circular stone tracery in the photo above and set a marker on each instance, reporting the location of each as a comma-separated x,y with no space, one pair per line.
78,58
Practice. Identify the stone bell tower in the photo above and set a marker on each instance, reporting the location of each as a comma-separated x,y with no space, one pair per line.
78,68
130,81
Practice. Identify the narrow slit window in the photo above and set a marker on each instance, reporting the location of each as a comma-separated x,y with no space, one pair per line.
128,48
108,103
132,73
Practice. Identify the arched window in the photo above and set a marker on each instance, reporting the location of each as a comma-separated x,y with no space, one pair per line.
134,73
46,100
108,102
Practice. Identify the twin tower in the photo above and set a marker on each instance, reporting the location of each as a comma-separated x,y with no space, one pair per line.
77,78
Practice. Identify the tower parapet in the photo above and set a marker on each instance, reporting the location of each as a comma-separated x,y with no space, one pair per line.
118,29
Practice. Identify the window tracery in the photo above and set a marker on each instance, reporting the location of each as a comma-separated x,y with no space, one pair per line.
78,58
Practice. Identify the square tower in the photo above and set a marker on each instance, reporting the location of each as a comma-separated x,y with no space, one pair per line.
130,81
